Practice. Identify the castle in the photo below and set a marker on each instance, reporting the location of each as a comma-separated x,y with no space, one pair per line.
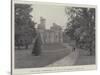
52,35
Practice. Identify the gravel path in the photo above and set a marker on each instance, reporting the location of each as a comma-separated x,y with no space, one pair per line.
67,60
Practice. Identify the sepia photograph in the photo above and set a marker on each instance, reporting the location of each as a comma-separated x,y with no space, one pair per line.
53,35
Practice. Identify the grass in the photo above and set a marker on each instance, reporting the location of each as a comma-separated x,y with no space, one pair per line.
50,54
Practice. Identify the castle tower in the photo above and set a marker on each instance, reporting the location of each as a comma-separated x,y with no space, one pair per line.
42,23
41,28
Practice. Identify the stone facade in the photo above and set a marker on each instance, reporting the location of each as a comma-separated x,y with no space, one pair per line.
52,35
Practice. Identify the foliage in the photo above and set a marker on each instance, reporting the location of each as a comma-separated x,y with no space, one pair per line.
23,24
81,27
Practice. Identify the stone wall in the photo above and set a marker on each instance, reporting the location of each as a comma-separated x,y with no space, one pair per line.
49,36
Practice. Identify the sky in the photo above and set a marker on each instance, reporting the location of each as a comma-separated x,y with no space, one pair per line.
52,14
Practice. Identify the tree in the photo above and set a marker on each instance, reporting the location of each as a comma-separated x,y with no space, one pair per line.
23,24
81,27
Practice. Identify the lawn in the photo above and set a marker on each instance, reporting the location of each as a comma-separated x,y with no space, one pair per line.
50,54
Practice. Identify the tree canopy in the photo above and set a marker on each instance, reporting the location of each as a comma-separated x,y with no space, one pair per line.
81,27
23,22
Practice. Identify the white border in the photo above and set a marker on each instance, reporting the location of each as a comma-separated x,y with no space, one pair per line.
47,69
54,3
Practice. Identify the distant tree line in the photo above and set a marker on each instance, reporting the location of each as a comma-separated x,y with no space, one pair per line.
81,27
